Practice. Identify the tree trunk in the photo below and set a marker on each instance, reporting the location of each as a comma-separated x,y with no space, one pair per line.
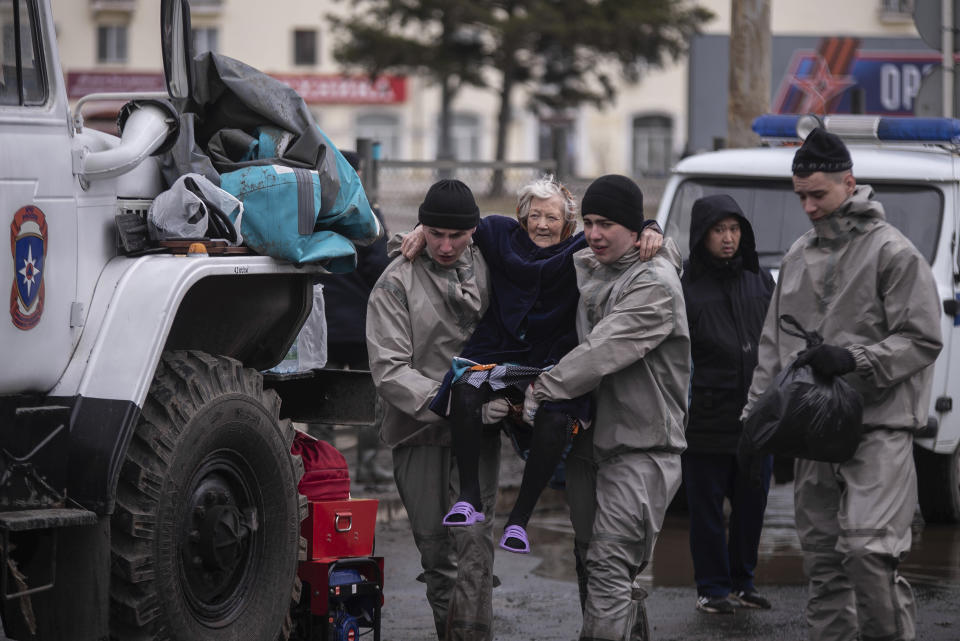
749,76
444,146
503,125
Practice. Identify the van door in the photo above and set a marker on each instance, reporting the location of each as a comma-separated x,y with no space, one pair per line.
946,394
37,203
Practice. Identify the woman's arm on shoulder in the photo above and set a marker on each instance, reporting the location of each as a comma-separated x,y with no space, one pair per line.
649,240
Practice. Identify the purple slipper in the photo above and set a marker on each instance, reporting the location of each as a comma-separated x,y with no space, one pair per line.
467,511
518,533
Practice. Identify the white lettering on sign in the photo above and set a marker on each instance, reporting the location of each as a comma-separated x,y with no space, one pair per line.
899,85
241,270
890,87
911,85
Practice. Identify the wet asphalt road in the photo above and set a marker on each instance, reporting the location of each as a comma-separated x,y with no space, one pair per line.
537,598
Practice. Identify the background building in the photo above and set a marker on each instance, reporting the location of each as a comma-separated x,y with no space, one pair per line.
113,45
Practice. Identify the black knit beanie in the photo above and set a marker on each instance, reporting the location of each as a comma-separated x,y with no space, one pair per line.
617,198
449,204
821,151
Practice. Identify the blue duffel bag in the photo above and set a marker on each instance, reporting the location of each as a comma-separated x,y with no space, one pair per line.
282,214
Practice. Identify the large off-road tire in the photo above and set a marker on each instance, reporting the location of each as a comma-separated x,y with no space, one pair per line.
938,485
206,531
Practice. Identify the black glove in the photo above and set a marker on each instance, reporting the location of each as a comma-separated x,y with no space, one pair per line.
827,360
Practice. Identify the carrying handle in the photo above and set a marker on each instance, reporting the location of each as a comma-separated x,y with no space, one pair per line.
787,325
346,516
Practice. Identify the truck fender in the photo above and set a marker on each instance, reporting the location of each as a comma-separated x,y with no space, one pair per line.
144,306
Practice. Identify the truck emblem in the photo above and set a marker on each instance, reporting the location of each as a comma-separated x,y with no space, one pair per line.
28,244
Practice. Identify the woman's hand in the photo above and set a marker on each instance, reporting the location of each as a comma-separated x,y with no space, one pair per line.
413,243
648,243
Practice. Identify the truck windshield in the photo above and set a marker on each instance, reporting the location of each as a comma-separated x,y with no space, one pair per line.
776,216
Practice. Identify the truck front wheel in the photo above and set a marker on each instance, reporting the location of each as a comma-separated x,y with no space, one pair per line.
938,485
205,534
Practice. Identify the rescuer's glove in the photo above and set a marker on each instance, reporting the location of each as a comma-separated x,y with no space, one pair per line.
493,411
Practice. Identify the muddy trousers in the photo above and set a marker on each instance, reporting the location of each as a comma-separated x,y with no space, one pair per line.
627,496
457,562
854,520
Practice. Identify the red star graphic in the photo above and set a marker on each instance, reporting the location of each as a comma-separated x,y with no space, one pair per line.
820,87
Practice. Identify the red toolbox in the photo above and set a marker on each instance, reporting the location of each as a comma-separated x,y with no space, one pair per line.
340,528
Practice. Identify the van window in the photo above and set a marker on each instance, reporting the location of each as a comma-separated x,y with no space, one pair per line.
21,66
776,216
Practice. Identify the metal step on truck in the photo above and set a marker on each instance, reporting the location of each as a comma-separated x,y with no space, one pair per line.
913,165
147,485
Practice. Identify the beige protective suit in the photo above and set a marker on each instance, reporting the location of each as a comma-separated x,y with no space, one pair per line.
635,354
862,285
418,317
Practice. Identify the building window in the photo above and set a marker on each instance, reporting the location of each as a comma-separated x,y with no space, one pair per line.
897,6
21,82
205,39
652,145
897,11
383,128
112,43
305,47
205,7
556,140
464,136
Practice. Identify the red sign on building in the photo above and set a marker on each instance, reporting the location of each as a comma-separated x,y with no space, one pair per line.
347,90
314,88
80,83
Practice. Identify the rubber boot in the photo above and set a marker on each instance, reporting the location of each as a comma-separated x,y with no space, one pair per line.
640,630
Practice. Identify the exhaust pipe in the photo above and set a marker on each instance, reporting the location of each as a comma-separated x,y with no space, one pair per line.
147,127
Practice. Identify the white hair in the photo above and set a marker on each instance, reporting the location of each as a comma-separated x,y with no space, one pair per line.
547,187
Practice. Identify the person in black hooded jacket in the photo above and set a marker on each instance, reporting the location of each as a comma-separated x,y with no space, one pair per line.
727,294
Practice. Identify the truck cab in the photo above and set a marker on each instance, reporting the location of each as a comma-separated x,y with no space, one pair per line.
148,486
913,165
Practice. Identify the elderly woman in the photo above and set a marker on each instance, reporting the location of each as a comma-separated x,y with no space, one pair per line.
529,325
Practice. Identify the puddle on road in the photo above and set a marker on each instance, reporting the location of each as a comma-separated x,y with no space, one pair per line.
935,557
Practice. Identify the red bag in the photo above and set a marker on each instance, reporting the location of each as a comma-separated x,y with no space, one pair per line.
326,476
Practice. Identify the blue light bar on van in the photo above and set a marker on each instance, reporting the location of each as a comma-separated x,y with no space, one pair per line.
876,128
776,126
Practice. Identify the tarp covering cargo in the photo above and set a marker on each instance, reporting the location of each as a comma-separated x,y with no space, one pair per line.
244,125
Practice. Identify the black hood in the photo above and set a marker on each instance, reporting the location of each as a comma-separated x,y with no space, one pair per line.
707,212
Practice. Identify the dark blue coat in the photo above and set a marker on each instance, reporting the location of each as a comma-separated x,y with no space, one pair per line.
533,297
726,304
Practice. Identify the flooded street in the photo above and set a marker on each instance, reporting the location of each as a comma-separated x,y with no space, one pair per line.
538,599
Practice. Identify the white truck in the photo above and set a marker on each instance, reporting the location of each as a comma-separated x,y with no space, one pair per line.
913,165
147,488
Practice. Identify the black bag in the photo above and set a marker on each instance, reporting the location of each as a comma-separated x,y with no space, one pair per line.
804,415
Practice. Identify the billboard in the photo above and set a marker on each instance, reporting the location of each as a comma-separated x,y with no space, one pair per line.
832,74
829,79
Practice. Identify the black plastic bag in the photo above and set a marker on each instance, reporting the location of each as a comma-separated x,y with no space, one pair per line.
804,415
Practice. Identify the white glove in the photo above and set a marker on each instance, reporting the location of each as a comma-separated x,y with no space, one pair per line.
530,405
494,411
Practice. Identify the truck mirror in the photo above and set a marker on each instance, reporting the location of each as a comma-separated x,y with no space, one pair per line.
175,36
